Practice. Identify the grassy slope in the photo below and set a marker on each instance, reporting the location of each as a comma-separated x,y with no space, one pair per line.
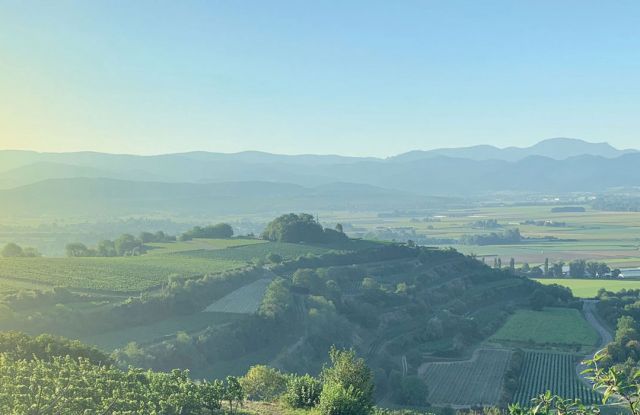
558,326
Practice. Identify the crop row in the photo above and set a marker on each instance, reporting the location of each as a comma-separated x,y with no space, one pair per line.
124,274
556,372
473,382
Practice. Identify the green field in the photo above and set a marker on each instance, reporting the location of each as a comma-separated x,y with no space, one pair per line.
588,288
475,382
556,372
122,274
556,327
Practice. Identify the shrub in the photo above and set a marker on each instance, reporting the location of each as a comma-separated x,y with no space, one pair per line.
336,399
263,383
302,391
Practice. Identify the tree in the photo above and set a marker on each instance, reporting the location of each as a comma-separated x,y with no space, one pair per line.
412,391
556,269
546,267
294,228
348,385
12,250
106,248
76,249
263,383
218,231
302,391
577,268
233,393
127,244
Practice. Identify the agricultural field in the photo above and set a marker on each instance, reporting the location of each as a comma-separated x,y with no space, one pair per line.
119,274
588,288
556,372
472,382
244,300
611,237
562,328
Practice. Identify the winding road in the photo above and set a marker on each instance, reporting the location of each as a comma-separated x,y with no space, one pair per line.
590,314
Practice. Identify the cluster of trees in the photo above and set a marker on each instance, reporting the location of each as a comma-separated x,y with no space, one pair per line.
550,223
486,224
343,387
301,228
13,250
581,268
510,236
218,231
125,245
621,310
617,203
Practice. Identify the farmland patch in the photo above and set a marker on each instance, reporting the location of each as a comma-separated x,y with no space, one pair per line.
467,383
556,372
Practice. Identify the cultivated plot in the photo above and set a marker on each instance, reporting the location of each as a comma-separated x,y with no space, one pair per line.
563,328
467,383
556,372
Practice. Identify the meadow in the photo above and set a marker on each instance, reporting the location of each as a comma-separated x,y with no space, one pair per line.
588,288
563,328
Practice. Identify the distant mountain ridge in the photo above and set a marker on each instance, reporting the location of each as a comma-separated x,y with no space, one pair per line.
42,183
555,148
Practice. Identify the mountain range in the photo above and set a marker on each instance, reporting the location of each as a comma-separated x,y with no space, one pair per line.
34,183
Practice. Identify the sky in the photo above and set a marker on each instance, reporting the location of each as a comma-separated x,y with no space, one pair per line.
371,78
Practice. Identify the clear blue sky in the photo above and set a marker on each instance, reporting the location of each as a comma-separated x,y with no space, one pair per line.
348,77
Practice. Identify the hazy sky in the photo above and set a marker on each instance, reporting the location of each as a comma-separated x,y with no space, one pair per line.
351,77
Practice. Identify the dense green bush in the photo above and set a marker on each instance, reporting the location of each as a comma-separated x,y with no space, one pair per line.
263,383
302,391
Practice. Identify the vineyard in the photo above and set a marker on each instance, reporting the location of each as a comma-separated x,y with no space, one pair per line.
556,372
472,382
244,300
124,274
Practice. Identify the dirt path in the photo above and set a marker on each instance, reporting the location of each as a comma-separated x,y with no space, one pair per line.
590,314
